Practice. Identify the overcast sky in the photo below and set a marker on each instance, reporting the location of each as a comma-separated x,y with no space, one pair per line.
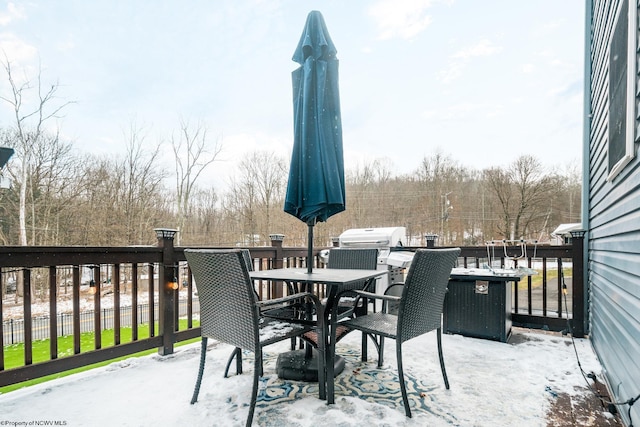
482,81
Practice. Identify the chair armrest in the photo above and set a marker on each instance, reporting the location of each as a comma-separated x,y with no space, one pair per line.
293,297
385,298
371,295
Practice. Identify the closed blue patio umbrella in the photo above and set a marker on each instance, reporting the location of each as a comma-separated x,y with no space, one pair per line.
5,155
315,190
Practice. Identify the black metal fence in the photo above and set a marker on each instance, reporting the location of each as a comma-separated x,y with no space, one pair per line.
13,329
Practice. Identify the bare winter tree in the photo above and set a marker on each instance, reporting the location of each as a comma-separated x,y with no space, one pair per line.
240,206
123,197
499,186
53,185
370,197
361,183
193,152
441,178
33,105
37,150
255,198
572,187
142,183
205,224
268,172
521,191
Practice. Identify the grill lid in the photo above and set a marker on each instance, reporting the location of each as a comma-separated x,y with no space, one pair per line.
400,259
380,238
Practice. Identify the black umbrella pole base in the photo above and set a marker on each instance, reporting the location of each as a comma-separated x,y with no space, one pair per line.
294,365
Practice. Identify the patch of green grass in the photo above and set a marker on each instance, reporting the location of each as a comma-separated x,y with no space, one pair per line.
14,354
536,281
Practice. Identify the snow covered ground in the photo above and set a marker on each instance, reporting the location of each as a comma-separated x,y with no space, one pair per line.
492,384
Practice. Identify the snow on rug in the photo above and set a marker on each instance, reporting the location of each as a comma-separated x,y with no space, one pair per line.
361,380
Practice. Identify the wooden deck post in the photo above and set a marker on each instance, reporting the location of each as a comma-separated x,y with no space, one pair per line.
277,262
578,302
431,240
167,295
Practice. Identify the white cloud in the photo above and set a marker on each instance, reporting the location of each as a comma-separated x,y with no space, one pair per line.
12,12
66,45
482,48
235,147
460,60
452,71
545,53
15,49
548,28
464,111
11,46
403,20
528,68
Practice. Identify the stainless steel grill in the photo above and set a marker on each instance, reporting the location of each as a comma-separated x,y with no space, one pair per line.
383,239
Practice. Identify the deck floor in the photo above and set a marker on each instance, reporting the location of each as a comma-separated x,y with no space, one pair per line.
585,410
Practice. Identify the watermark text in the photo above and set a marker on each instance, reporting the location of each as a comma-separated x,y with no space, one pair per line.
32,423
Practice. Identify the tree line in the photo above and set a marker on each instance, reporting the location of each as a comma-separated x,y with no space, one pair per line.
57,196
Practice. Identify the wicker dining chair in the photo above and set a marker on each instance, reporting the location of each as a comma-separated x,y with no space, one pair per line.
230,312
353,258
237,352
419,311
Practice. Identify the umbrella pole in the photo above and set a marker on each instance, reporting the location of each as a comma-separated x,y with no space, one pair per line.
310,249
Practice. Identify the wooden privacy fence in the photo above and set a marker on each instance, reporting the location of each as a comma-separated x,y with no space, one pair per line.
83,284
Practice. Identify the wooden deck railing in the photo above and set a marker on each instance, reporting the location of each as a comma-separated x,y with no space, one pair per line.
87,282
548,299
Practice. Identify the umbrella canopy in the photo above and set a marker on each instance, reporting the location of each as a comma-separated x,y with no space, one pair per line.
315,190
5,155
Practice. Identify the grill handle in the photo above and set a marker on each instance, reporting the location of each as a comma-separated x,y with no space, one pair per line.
366,243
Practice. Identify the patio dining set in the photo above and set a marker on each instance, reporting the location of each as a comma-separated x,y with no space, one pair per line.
232,313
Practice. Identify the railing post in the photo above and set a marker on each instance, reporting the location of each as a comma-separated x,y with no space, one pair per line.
276,242
166,295
431,240
578,301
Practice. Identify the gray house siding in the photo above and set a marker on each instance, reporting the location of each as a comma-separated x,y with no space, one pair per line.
613,220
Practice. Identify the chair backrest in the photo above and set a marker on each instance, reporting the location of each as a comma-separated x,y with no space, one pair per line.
246,255
356,258
228,311
422,298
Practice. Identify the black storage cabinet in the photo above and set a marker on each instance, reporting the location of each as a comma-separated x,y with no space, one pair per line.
479,307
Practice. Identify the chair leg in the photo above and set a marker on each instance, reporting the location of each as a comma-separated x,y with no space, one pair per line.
403,387
235,354
322,365
330,350
203,358
363,351
444,371
238,361
378,342
257,368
